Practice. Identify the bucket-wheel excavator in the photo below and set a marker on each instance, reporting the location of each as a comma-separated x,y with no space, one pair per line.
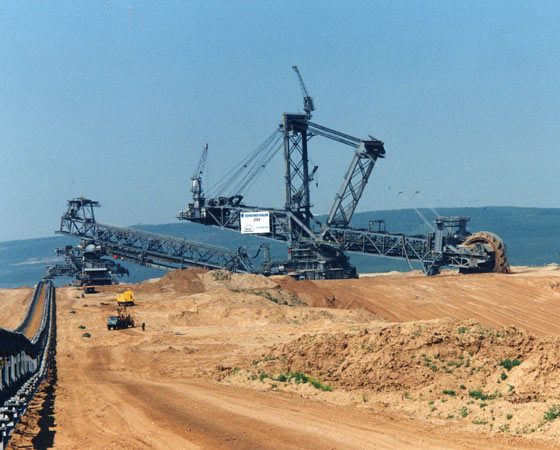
318,250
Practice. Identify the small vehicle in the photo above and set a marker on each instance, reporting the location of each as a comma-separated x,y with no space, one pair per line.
125,298
123,320
89,289
112,322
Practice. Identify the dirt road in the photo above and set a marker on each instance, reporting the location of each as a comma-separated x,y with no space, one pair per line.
160,388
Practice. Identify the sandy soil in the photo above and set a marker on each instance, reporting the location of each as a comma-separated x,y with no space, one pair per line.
231,361
528,298
13,305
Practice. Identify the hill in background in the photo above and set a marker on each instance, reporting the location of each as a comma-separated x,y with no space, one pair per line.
531,236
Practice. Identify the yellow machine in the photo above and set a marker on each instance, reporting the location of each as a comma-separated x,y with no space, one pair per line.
125,298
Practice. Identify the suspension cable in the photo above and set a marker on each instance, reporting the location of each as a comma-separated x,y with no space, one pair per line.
411,203
236,171
245,165
250,179
399,172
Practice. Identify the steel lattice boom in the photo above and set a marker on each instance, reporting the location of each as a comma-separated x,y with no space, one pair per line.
144,248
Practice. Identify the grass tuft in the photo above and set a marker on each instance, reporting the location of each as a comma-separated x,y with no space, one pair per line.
552,413
478,394
301,378
509,364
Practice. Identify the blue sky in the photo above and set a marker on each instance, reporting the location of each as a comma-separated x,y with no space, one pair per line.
115,101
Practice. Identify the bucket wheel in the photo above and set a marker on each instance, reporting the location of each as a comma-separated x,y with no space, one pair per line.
498,247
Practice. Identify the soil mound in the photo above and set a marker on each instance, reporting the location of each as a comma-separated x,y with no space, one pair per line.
257,308
310,292
444,371
225,279
196,280
186,281
402,357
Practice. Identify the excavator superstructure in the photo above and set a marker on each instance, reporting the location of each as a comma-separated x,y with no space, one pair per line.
318,250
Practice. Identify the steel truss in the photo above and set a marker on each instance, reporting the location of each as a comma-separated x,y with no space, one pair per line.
413,248
88,264
305,235
144,248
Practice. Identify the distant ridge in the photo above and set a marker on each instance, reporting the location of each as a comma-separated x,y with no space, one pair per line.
532,236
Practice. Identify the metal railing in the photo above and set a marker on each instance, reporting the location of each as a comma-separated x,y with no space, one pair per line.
24,362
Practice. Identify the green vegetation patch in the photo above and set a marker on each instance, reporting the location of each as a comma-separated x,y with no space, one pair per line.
509,364
552,413
479,394
298,378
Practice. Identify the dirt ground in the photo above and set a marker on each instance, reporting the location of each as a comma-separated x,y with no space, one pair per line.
13,304
233,361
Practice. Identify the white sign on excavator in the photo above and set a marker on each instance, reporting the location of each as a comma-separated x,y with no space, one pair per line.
255,222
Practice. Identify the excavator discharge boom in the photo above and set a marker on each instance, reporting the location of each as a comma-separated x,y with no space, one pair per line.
144,248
